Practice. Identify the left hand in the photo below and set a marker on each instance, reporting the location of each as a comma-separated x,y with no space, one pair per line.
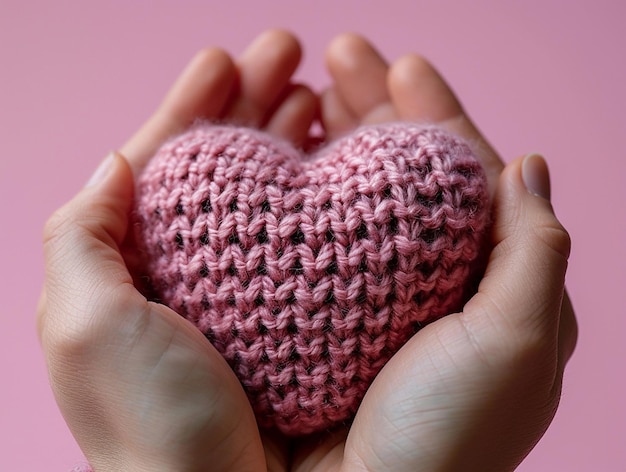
139,386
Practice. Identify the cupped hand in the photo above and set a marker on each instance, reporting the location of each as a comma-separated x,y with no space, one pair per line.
139,386
473,391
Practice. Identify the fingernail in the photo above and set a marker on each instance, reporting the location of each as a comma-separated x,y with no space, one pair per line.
101,171
536,176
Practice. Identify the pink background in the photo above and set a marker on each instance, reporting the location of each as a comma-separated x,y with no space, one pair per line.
78,77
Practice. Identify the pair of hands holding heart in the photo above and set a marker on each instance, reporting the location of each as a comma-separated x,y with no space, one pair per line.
143,390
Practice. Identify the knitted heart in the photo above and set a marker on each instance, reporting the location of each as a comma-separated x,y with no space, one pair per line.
309,272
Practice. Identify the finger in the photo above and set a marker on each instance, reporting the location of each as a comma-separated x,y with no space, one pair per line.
419,93
337,118
294,116
524,282
360,74
201,91
81,243
265,69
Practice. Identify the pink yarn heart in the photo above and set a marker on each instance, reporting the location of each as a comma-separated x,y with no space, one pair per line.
309,272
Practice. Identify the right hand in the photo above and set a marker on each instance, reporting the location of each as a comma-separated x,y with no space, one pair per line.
475,390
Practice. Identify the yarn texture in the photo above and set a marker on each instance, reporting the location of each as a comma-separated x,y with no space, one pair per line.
308,272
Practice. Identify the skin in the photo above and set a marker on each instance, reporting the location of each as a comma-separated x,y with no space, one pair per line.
142,389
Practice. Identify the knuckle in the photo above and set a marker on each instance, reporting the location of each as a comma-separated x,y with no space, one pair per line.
60,340
67,346
74,329
56,226
68,330
555,237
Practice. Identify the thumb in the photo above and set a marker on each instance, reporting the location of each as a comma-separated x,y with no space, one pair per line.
524,282
81,244
108,195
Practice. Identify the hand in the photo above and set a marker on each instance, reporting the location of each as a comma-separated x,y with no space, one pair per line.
474,390
139,386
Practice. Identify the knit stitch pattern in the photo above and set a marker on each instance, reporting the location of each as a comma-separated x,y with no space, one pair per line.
308,273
